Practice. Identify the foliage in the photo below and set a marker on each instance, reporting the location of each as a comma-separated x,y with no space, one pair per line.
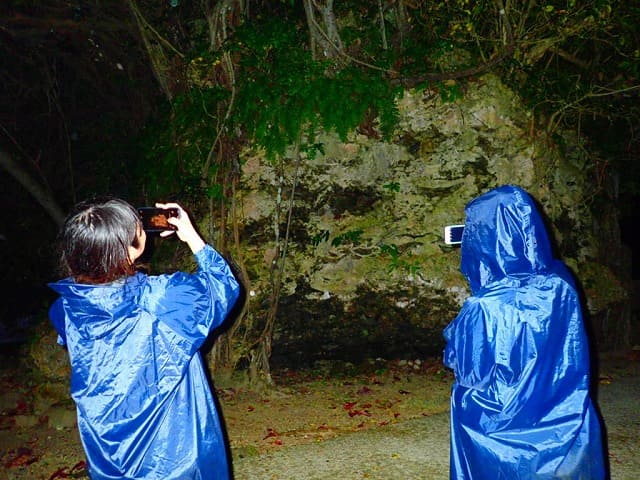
586,78
399,263
449,91
392,186
352,236
322,236
175,148
569,60
283,92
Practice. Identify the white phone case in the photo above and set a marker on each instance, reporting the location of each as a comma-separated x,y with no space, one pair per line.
453,234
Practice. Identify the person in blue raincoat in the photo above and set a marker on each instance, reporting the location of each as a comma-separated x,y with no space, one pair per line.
144,406
520,404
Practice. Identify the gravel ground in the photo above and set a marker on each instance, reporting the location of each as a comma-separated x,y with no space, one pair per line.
419,449
416,448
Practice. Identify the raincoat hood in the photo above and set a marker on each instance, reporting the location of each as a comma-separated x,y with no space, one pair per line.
504,236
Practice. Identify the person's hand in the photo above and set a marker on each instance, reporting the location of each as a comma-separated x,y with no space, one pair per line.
184,228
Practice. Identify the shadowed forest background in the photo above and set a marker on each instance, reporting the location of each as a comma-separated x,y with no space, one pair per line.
156,99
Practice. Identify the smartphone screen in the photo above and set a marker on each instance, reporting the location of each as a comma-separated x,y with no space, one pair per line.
453,234
155,219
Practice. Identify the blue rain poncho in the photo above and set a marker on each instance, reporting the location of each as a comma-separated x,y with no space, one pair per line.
520,403
144,405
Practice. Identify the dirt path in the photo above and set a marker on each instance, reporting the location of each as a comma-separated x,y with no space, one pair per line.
419,448
387,424
619,405
414,449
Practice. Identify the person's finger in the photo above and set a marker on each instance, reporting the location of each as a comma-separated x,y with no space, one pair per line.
168,205
171,205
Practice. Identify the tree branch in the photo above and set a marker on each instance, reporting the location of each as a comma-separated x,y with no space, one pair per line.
42,195
409,82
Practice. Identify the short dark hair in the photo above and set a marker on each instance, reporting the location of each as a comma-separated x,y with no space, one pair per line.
94,240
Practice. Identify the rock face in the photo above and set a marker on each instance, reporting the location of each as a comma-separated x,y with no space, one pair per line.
366,271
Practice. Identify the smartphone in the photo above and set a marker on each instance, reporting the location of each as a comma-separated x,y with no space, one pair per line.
155,219
453,234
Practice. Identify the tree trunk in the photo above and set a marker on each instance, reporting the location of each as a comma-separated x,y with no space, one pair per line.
222,16
324,37
157,58
39,192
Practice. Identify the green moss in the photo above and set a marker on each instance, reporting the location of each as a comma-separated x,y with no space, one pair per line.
601,286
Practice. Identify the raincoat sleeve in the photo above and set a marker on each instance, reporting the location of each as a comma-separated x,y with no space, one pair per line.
56,315
191,305
469,350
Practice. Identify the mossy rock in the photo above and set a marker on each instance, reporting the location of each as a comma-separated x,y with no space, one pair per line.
47,357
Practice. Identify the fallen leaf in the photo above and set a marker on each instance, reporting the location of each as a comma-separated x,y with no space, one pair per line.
21,457
6,422
354,413
60,473
22,408
77,471
385,403
605,379
270,433
79,467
